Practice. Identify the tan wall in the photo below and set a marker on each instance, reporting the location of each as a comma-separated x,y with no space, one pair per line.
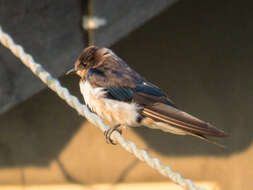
199,53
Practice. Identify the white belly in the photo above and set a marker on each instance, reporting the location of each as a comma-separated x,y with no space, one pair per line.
111,110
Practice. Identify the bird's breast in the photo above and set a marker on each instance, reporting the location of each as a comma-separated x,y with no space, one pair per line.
112,110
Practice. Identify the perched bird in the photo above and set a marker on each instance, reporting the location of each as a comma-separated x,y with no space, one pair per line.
117,93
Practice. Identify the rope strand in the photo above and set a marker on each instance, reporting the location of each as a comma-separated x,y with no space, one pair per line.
72,101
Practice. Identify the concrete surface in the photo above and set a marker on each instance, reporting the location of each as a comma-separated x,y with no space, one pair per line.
201,54
45,29
136,186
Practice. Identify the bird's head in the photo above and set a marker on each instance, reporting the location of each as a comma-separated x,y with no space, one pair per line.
91,57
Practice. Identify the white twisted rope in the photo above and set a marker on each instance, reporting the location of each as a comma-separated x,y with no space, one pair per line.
55,85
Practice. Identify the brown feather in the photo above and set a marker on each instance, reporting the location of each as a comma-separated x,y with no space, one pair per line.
182,120
115,73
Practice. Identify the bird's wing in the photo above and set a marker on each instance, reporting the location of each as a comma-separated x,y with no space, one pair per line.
124,84
160,109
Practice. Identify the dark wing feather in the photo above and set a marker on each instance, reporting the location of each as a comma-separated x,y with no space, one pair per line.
120,93
123,83
148,95
181,120
127,87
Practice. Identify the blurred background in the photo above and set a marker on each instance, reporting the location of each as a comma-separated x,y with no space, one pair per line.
199,52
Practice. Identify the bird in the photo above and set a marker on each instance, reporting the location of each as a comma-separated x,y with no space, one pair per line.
117,93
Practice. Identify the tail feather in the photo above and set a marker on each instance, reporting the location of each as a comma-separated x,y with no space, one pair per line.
204,138
183,121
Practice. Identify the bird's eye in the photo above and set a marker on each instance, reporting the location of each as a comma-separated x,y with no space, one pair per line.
106,53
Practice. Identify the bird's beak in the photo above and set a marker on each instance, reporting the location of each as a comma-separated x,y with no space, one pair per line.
71,71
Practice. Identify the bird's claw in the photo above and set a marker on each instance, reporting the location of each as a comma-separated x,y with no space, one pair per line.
109,132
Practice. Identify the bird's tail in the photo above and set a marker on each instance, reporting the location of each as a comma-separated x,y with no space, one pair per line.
173,120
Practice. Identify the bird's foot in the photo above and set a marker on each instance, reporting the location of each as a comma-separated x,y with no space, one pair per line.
109,132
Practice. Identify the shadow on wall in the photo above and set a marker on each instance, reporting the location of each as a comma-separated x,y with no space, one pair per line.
36,131
196,51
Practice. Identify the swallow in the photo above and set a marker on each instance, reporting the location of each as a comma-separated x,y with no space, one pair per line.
117,93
